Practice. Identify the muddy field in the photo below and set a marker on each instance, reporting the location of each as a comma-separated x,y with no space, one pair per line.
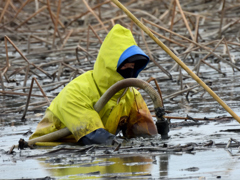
45,44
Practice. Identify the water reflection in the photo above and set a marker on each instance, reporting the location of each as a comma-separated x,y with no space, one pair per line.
77,167
163,165
102,167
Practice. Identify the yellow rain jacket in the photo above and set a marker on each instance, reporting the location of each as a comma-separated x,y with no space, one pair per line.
73,107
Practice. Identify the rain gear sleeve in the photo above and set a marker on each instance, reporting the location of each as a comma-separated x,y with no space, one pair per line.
73,107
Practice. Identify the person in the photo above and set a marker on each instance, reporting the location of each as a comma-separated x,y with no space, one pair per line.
119,58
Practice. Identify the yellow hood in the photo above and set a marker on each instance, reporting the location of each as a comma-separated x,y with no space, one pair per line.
117,47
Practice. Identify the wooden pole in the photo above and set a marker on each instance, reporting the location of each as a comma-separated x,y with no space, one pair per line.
170,53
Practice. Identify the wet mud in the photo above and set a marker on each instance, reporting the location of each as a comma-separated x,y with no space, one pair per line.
195,150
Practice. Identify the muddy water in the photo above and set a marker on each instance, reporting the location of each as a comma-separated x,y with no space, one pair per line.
202,163
210,162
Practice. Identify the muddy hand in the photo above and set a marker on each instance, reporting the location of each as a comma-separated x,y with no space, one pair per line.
23,144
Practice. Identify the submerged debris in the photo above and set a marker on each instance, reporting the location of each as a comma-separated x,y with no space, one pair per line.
192,169
145,148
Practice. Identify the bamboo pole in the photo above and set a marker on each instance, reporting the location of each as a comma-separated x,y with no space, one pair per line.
184,19
152,58
100,40
10,93
33,15
1,80
222,15
66,38
172,20
205,57
94,14
56,22
29,96
167,50
24,57
229,55
4,10
20,9
196,29
168,39
83,14
197,44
